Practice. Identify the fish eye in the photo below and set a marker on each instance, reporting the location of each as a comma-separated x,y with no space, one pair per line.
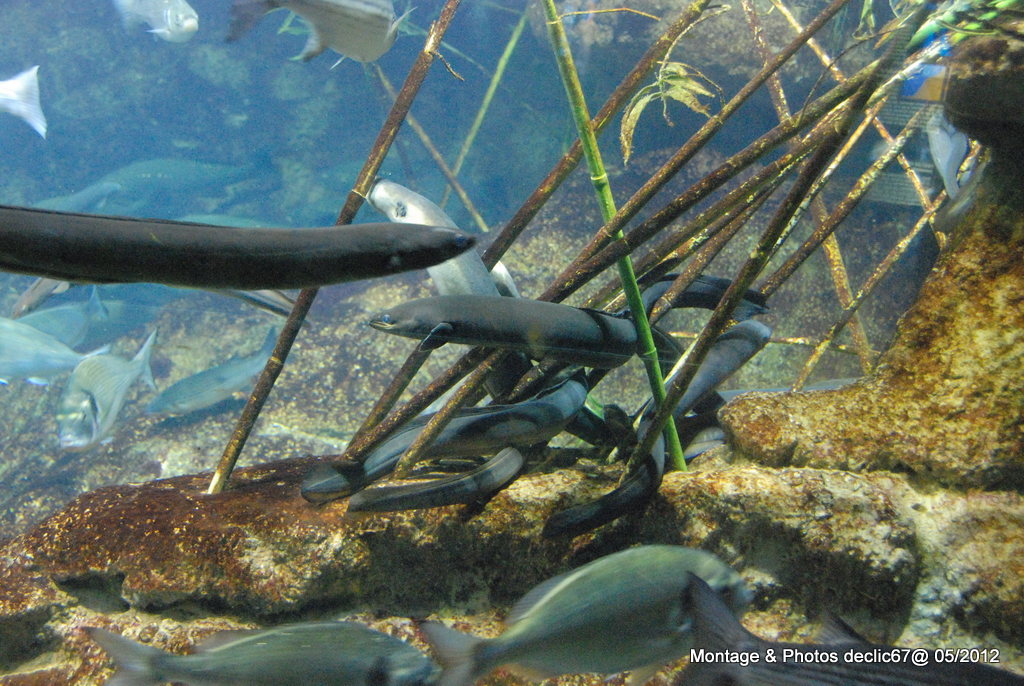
386,320
400,209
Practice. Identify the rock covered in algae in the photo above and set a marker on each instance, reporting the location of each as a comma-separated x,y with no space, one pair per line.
168,564
945,403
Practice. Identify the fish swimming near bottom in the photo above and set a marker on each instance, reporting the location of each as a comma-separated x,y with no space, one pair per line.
19,95
308,654
212,385
172,20
105,249
624,611
361,29
721,642
95,395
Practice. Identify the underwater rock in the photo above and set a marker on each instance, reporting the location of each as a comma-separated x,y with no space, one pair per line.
984,95
944,403
164,562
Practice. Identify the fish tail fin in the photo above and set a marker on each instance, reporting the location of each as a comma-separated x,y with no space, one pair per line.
457,652
135,661
270,342
25,103
95,306
142,358
715,628
245,14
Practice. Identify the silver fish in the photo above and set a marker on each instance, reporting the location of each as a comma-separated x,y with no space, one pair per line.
624,611
361,29
91,197
28,353
726,653
33,296
172,20
465,274
95,395
210,386
311,654
69,323
948,147
20,96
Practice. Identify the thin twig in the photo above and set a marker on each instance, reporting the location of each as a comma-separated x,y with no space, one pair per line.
305,299
424,137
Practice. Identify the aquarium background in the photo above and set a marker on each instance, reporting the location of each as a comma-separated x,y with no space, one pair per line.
290,137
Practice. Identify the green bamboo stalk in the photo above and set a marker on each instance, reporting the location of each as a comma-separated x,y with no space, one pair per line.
685,369
619,97
599,177
485,104
362,441
304,301
583,269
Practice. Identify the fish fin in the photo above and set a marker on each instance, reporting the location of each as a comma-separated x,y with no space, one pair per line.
340,60
37,381
95,306
102,350
434,339
142,358
641,675
3,382
135,661
835,631
715,627
455,651
396,24
245,14
314,45
25,101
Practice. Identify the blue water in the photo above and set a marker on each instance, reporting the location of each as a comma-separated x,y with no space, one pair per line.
292,137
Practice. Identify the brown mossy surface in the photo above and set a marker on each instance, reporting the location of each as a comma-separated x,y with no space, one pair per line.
166,564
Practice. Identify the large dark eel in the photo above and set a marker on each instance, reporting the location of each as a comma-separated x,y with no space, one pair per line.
105,249
540,329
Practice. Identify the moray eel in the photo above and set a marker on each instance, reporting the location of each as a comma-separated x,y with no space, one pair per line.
460,489
473,431
104,249
540,329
